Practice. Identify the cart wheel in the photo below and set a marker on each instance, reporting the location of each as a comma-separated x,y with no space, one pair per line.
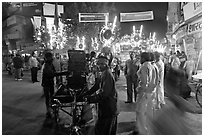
56,115
199,95
75,130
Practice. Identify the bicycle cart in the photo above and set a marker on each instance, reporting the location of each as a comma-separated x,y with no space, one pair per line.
69,97
196,86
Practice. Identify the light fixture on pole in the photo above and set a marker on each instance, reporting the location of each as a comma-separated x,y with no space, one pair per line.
114,23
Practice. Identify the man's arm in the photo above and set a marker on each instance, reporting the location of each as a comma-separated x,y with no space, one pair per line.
143,79
125,69
105,91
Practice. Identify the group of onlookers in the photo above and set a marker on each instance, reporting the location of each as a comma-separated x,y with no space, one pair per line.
145,78
148,76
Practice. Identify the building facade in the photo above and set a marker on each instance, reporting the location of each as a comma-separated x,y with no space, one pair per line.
17,28
185,29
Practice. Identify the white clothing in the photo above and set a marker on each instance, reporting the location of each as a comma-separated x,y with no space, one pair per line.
160,86
33,62
148,77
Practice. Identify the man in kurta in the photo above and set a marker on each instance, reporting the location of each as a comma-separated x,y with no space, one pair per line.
146,88
160,86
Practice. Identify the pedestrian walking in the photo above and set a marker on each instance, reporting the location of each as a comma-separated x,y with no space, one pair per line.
160,87
173,119
34,67
48,74
130,72
57,65
183,59
175,63
106,98
146,88
18,66
189,67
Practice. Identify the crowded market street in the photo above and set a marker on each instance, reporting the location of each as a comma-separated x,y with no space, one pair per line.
23,109
101,68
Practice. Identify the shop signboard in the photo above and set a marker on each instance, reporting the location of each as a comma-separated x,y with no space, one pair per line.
48,9
136,16
192,9
32,8
194,27
93,17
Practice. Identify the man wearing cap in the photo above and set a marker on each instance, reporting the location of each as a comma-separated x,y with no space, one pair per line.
106,98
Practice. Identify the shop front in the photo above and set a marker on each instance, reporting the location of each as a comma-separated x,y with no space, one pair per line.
188,36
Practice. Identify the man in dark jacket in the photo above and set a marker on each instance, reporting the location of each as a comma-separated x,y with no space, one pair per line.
48,74
106,99
18,65
130,72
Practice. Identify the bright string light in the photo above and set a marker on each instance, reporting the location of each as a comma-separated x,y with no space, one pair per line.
114,23
106,21
141,29
133,28
154,36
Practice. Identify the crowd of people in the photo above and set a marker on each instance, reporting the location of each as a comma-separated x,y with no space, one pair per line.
149,76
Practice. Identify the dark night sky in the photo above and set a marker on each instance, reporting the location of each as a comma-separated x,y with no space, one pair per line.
158,25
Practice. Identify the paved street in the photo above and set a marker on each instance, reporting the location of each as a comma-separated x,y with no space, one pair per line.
23,109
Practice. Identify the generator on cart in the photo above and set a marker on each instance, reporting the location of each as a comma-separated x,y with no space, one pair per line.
70,95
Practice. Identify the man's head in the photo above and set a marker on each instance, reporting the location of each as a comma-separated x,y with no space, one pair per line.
132,55
152,56
157,56
34,54
102,62
145,56
48,57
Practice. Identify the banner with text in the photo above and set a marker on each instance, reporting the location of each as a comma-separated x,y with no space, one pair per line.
194,27
93,17
136,16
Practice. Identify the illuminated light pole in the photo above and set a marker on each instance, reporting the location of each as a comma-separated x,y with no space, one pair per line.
114,23
150,35
92,41
133,28
106,21
141,28
96,40
154,36
83,40
78,40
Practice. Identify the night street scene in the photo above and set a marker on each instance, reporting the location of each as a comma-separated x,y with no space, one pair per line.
101,68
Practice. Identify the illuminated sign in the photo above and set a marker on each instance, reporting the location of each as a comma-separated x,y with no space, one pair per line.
192,9
32,8
93,17
195,26
136,16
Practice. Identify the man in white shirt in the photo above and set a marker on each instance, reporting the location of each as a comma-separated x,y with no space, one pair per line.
160,86
145,89
34,67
